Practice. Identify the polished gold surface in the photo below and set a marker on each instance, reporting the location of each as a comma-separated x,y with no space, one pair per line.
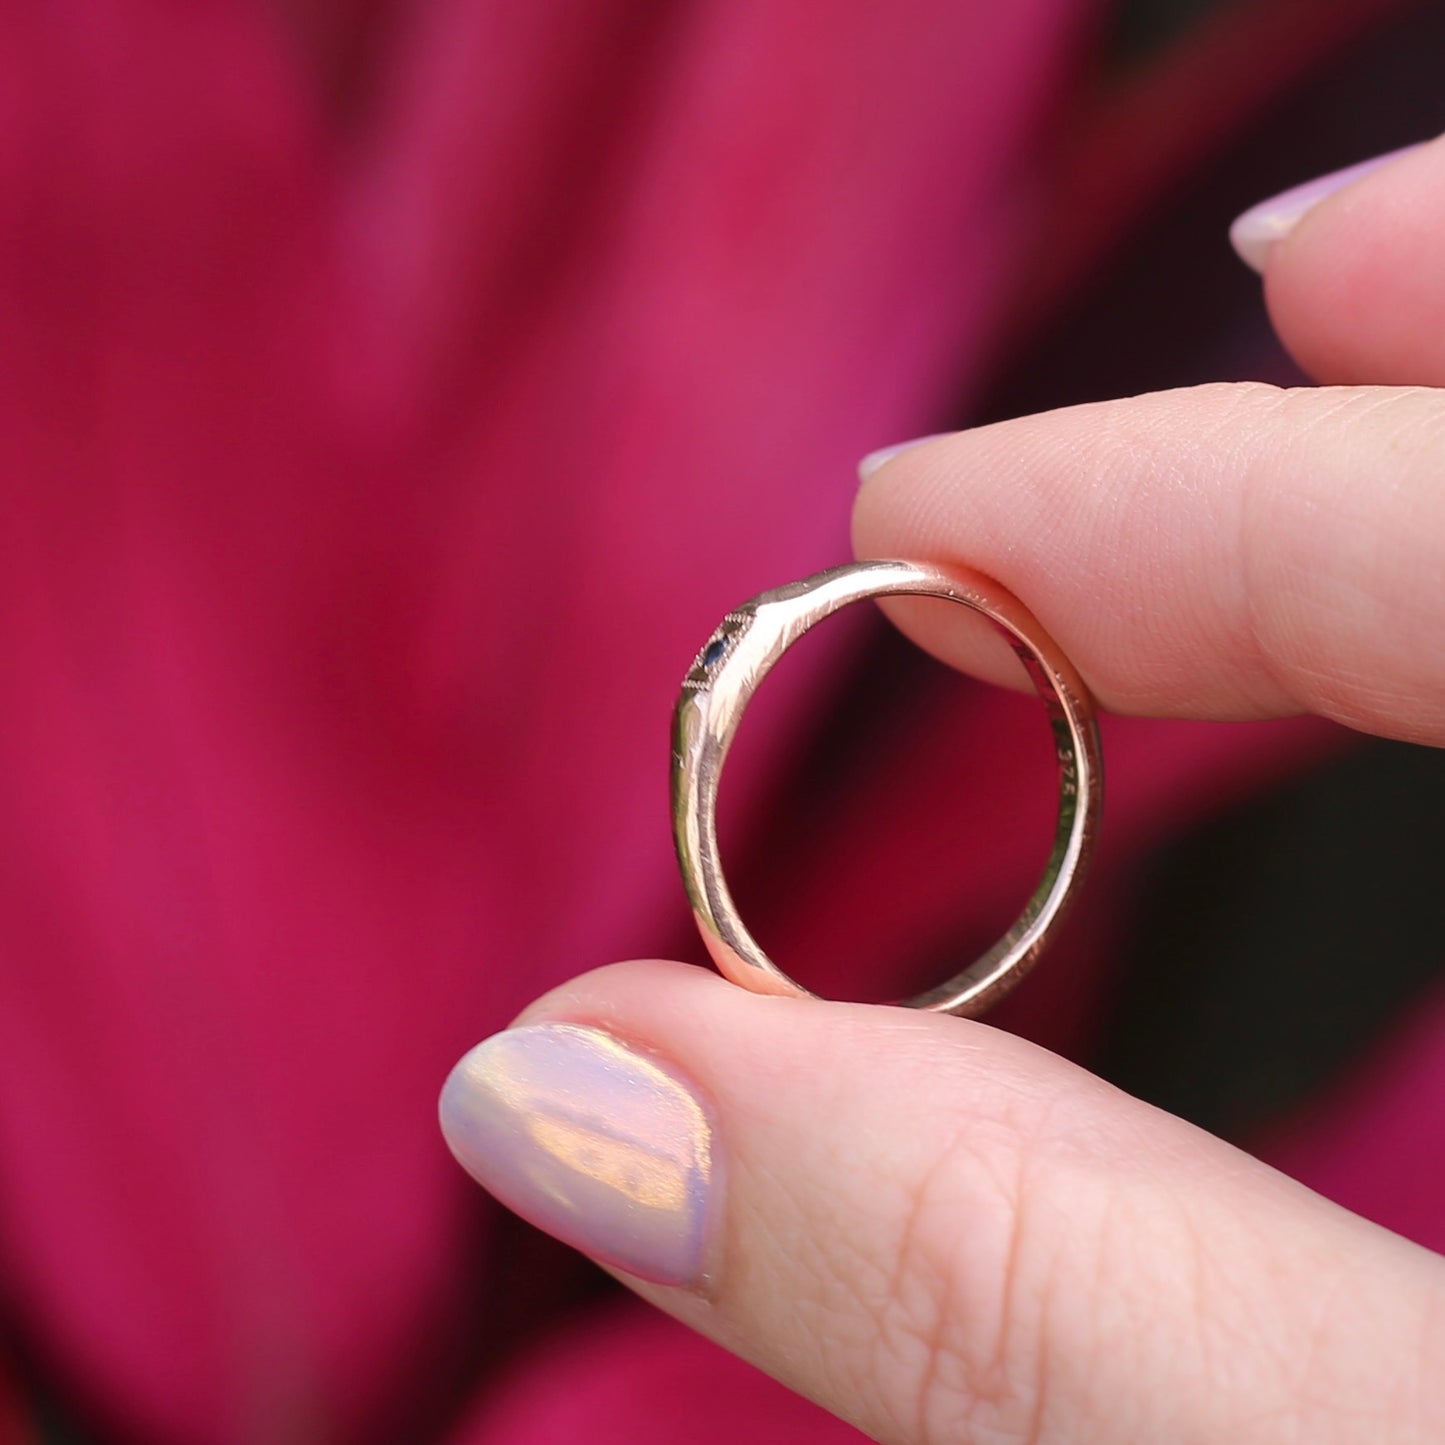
739,655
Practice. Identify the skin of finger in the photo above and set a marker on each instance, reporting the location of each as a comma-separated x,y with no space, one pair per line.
1356,290
942,1233
1229,551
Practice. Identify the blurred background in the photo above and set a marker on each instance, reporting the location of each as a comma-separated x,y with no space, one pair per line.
392,397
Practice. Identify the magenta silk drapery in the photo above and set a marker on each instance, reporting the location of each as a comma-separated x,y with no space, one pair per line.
308,371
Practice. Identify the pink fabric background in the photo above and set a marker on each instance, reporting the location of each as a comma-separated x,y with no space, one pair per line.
391,398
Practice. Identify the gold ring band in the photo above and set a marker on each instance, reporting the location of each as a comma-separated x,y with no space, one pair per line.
718,688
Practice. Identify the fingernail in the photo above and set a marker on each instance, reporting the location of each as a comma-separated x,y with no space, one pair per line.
1254,234
874,460
592,1142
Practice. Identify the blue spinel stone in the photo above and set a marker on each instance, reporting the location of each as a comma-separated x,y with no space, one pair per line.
714,650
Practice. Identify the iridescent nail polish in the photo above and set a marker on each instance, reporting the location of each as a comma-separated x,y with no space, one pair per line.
874,460
596,1144
1254,234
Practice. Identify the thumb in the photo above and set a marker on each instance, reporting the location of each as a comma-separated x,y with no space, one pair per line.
941,1232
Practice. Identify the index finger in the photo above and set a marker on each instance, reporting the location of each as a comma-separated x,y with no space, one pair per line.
1226,551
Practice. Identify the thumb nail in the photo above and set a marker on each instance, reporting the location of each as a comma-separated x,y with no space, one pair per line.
597,1144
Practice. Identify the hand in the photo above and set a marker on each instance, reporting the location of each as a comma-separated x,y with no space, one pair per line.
941,1232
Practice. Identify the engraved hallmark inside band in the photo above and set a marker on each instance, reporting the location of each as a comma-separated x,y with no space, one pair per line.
733,663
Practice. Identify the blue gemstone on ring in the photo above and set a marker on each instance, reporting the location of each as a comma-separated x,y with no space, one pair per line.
714,650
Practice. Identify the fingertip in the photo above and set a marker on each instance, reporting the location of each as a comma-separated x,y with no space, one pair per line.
1255,233
1352,280
1228,552
595,1141
875,461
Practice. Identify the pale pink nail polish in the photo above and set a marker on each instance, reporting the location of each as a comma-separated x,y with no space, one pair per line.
592,1142
1256,232
874,460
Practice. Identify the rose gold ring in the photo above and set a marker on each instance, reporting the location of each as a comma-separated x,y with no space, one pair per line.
741,653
